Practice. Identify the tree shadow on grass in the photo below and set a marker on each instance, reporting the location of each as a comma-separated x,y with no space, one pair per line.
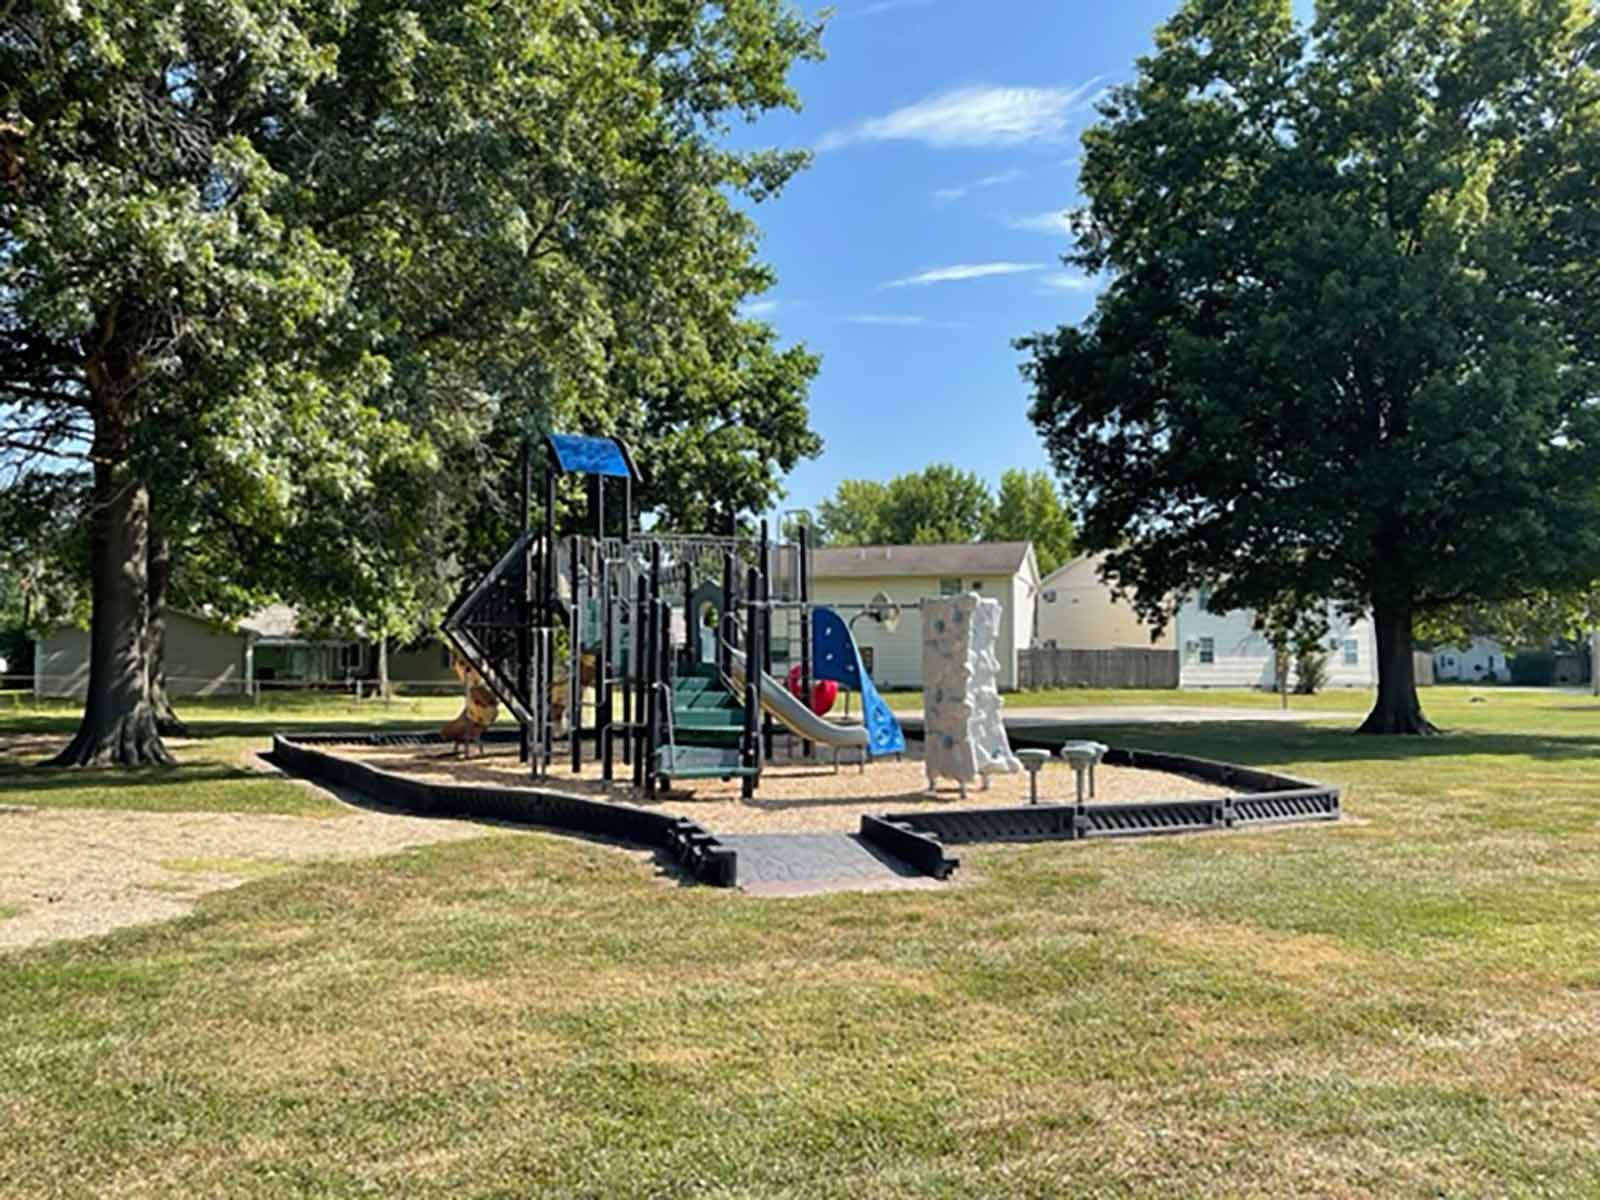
65,723
17,781
666,867
1275,744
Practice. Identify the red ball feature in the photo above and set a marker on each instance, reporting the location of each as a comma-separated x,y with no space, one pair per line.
824,692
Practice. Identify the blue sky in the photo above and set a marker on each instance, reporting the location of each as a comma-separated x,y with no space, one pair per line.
922,240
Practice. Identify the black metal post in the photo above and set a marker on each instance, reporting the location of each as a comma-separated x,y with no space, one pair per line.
666,699
575,682
625,672
807,747
602,652
752,682
651,707
725,635
602,672
664,644
691,631
769,727
548,683
638,659
525,608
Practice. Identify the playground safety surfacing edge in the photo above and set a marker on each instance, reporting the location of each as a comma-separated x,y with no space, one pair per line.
889,847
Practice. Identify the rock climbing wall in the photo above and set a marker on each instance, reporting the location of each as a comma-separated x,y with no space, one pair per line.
965,736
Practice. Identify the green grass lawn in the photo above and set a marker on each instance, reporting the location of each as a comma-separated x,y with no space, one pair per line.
1332,700
1404,1004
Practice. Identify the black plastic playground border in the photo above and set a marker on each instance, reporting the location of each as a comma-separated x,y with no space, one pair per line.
1263,798
919,838
695,849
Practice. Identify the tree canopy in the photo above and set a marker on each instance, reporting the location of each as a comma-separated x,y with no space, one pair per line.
282,270
1029,507
937,504
944,504
1349,340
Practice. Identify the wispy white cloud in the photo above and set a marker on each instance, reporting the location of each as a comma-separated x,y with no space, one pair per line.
1049,222
988,181
902,321
1071,281
963,271
883,6
974,116
759,308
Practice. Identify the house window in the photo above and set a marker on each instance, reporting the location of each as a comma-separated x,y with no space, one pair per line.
444,658
1202,599
1208,650
949,587
866,658
1352,652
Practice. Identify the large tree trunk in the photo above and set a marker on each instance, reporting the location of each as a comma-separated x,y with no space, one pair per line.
1398,710
168,723
119,722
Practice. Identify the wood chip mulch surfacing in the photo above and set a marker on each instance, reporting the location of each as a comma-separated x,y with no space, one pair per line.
794,797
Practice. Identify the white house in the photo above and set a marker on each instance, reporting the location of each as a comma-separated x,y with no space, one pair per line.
205,659
1481,661
853,575
1077,611
1224,650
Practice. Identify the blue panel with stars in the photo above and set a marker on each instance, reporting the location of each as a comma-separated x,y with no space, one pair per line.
835,656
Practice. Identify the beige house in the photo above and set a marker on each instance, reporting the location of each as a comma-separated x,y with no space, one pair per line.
853,575
204,658
1077,611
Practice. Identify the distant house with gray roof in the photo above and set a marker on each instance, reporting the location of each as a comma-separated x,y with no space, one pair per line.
853,575
268,649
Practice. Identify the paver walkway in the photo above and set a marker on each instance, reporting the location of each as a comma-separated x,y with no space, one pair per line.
800,864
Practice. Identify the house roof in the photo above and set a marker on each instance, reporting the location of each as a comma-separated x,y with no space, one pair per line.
281,623
273,621
1073,565
939,559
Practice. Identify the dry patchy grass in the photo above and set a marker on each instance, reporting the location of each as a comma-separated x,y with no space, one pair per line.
1402,1005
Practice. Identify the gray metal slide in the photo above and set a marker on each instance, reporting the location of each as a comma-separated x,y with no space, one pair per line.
797,717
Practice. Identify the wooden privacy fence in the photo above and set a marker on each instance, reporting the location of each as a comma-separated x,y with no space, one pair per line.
1130,667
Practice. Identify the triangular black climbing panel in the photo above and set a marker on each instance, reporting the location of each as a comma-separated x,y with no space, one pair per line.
487,627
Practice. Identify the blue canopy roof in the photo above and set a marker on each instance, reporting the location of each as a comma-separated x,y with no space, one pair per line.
591,455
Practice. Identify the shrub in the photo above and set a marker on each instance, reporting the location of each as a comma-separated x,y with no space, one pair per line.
1311,672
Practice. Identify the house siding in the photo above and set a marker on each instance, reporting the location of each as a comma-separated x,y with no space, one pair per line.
897,656
1085,615
1243,658
200,661
61,664
1483,660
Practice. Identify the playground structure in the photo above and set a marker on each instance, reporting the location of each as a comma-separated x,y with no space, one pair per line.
664,657
683,637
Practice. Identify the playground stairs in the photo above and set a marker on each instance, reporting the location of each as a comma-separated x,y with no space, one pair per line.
707,722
